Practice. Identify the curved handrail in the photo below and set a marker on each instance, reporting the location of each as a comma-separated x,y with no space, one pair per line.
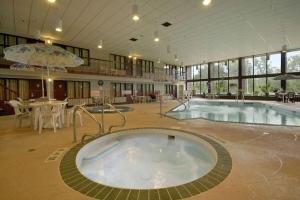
76,108
121,114
181,103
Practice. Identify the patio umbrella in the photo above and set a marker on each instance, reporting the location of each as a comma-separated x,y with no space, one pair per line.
43,55
286,77
31,68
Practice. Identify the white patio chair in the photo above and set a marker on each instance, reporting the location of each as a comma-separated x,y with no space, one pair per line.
49,114
20,112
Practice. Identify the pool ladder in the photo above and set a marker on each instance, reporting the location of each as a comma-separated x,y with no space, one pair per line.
99,123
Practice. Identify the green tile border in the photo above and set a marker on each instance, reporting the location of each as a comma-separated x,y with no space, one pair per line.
74,179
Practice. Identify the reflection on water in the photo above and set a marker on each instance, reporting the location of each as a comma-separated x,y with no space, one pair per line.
238,112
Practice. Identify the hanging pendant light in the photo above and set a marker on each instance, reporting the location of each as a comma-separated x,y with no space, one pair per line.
59,27
156,38
206,2
100,45
135,15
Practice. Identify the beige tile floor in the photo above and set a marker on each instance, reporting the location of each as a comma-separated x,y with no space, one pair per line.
265,166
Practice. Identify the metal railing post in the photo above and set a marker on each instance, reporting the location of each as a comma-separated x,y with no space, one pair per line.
76,108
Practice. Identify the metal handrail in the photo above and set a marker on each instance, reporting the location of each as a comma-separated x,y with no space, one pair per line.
121,114
181,103
76,108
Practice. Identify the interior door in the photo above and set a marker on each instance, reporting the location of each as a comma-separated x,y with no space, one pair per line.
60,90
35,88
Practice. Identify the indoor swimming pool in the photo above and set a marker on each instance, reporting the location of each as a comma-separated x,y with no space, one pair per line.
240,112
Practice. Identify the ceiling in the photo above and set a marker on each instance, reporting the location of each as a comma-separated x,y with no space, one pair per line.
225,29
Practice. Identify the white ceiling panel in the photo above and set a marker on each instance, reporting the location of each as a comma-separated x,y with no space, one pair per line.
225,29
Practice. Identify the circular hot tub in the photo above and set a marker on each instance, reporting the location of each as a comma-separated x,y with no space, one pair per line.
148,159
107,109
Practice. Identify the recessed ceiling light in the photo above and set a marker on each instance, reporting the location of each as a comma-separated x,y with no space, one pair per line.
100,45
51,1
130,56
59,26
156,38
136,18
206,2
135,15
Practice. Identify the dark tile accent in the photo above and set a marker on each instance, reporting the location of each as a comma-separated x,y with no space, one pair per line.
183,192
95,190
103,193
113,194
173,193
163,194
192,190
85,189
144,195
133,195
123,195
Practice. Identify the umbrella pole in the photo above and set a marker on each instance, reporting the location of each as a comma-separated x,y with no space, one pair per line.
43,92
48,90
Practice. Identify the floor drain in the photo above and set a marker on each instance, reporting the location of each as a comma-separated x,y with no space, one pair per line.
31,150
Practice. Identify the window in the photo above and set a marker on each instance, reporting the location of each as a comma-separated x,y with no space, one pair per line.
214,87
214,70
274,64
259,86
197,87
274,85
223,69
189,73
233,68
293,61
222,87
260,65
233,86
189,86
204,88
247,66
196,72
247,85
293,85
204,71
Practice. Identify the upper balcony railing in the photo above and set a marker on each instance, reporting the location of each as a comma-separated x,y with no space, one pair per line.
105,68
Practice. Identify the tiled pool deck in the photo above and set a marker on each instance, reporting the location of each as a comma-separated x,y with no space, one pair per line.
265,159
74,179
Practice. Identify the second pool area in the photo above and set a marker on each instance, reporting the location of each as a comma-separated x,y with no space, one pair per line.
240,112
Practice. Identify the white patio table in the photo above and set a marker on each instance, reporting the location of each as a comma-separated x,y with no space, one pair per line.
37,105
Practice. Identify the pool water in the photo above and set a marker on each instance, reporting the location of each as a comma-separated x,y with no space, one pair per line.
107,109
255,113
146,159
